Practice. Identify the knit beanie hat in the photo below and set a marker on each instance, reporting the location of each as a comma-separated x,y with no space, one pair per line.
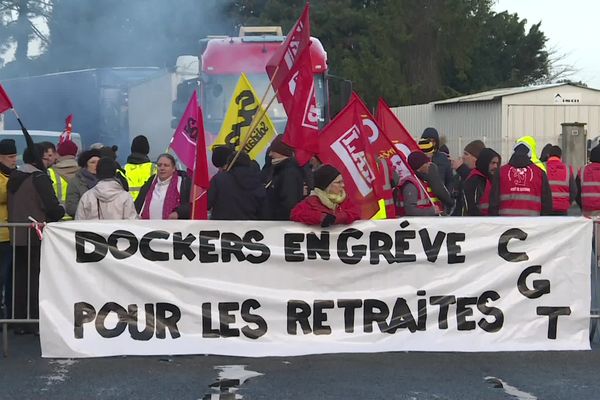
220,154
8,146
474,148
106,168
426,146
140,145
278,146
431,133
86,155
554,151
417,159
544,153
324,175
67,148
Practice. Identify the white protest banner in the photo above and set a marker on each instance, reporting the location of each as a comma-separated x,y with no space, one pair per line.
253,288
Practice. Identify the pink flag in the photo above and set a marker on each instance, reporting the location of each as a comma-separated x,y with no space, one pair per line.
5,103
184,139
284,58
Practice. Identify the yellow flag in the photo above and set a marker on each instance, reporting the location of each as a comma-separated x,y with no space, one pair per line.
236,125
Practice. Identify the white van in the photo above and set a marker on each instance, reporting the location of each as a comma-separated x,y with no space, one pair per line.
37,136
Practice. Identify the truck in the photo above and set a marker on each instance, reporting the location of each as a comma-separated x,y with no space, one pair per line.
113,105
224,58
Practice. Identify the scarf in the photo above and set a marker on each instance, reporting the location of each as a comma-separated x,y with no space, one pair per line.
89,179
331,201
172,198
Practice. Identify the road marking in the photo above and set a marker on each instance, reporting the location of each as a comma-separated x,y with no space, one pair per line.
508,389
229,380
59,373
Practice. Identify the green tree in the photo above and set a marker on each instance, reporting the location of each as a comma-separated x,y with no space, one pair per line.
414,51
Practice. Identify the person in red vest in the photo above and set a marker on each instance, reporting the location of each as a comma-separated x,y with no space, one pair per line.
327,203
588,185
478,184
520,188
562,181
413,195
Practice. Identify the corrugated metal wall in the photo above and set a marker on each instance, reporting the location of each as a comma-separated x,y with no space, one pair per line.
543,122
460,123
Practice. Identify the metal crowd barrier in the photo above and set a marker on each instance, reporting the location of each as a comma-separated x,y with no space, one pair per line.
8,277
7,314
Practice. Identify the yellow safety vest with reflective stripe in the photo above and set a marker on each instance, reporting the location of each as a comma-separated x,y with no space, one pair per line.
60,186
137,175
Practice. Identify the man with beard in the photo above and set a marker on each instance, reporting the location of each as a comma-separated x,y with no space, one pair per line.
478,185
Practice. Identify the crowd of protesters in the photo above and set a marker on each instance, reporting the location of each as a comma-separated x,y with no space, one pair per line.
63,182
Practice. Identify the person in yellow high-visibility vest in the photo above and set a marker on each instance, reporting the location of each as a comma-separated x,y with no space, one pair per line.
64,169
139,168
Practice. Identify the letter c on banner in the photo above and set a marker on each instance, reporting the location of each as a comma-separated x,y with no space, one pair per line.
369,123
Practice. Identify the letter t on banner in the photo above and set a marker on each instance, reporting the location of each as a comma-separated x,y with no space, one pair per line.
201,180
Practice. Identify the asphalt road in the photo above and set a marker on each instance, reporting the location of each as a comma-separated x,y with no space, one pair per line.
419,376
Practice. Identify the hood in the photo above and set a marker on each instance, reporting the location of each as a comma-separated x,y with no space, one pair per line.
16,180
519,160
247,177
137,158
107,190
485,158
66,167
530,142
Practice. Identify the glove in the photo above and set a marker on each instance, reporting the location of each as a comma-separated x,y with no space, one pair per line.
328,220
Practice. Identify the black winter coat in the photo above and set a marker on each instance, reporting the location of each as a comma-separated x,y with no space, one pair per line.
284,190
237,194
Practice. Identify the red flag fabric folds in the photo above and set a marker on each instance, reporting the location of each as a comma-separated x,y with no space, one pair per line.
5,103
282,61
394,129
301,131
344,144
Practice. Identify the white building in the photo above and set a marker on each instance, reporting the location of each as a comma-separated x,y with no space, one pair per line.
500,116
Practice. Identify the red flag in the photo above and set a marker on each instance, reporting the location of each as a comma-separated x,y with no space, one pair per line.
183,142
394,129
282,61
201,179
66,133
345,145
5,103
301,131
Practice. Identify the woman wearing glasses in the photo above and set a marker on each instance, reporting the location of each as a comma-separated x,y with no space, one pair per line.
328,203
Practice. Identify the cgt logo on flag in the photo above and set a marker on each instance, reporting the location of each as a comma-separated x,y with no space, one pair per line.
349,148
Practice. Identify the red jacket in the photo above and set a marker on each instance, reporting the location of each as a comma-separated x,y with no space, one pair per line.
311,211
559,177
589,178
521,190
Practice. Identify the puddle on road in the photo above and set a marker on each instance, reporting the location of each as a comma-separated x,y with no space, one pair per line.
60,370
229,380
508,389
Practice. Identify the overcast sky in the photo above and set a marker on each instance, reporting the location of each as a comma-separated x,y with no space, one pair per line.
571,28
